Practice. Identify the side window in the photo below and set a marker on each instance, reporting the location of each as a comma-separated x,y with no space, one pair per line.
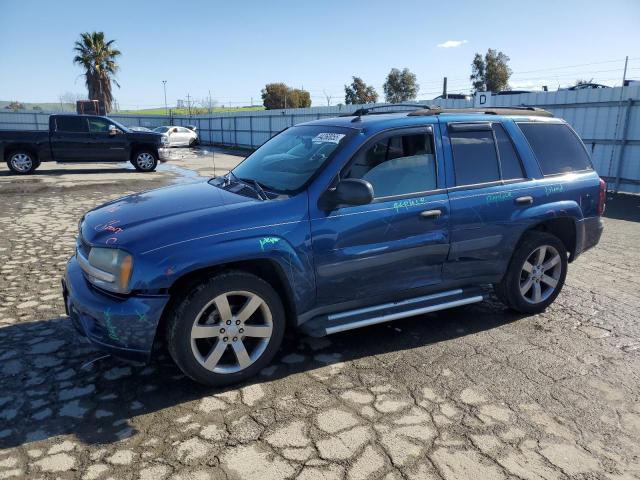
397,165
509,160
71,124
474,157
556,147
98,125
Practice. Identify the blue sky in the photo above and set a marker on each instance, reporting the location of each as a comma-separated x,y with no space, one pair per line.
233,48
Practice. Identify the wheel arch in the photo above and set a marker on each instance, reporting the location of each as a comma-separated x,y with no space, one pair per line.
16,147
139,147
564,228
268,270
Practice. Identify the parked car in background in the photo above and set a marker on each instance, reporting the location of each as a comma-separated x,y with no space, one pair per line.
140,129
81,138
337,224
179,136
587,86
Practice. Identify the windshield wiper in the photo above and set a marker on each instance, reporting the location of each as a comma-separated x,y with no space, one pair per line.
260,190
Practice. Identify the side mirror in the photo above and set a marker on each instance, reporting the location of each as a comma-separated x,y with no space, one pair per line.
350,191
112,130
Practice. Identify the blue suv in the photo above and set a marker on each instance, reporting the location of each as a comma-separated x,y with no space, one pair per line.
337,224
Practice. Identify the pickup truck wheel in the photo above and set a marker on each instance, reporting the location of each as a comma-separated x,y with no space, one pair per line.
22,162
536,273
145,161
227,329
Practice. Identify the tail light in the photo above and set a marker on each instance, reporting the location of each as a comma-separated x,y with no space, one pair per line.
602,197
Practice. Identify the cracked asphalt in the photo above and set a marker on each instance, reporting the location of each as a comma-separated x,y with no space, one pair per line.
472,393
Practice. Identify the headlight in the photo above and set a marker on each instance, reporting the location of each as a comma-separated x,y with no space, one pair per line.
164,139
108,268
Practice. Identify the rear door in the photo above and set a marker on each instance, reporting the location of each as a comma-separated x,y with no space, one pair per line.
70,138
104,147
398,242
488,189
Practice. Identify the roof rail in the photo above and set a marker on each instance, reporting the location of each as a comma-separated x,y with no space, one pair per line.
368,110
527,111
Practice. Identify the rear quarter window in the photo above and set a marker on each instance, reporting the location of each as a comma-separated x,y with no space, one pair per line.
557,147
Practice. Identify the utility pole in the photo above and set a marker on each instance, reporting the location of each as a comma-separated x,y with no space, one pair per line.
209,102
189,104
624,74
164,84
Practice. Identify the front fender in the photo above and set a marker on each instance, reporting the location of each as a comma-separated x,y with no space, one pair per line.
291,255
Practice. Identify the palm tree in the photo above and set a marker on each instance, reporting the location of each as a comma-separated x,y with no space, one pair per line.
98,58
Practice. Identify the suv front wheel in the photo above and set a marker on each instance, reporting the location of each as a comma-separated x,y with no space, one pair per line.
145,161
536,273
227,329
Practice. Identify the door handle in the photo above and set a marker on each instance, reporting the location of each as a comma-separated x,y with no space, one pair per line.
528,200
431,213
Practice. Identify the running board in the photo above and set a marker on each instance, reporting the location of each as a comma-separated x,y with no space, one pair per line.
363,317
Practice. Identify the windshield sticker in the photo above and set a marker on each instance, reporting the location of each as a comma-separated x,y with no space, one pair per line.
328,137
268,241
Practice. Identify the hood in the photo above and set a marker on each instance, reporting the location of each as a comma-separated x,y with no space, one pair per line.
144,136
156,217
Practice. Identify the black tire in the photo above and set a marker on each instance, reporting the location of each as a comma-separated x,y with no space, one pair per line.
22,162
509,289
145,160
193,142
196,305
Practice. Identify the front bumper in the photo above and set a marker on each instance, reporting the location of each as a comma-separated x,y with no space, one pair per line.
123,326
163,154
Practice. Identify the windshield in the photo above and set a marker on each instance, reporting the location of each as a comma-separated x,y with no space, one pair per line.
289,160
161,129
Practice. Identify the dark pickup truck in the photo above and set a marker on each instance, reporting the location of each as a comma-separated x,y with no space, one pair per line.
81,138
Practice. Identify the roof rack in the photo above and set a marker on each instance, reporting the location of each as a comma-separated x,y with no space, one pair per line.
528,111
369,110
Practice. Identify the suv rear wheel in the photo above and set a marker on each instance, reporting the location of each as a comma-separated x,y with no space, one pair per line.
227,329
22,162
536,273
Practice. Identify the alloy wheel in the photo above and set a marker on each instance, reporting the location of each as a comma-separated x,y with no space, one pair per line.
145,161
231,332
21,162
540,274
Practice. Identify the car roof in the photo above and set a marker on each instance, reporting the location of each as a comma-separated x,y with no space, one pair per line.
385,121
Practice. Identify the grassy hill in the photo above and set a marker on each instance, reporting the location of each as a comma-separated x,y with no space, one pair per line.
194,111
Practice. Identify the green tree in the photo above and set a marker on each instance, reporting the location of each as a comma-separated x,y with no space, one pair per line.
582,81
98,59
400,86
279,95
359,92
490,73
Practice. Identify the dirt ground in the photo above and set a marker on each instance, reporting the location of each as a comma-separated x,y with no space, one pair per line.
472,393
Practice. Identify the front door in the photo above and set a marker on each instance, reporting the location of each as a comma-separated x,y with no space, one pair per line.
70,139
399,241
104,147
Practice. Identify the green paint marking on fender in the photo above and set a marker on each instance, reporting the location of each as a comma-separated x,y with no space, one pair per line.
549,189
268,241
498,197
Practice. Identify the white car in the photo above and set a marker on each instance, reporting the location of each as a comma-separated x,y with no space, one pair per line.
178,136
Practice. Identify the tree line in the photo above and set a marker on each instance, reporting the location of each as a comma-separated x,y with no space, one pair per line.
98,58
